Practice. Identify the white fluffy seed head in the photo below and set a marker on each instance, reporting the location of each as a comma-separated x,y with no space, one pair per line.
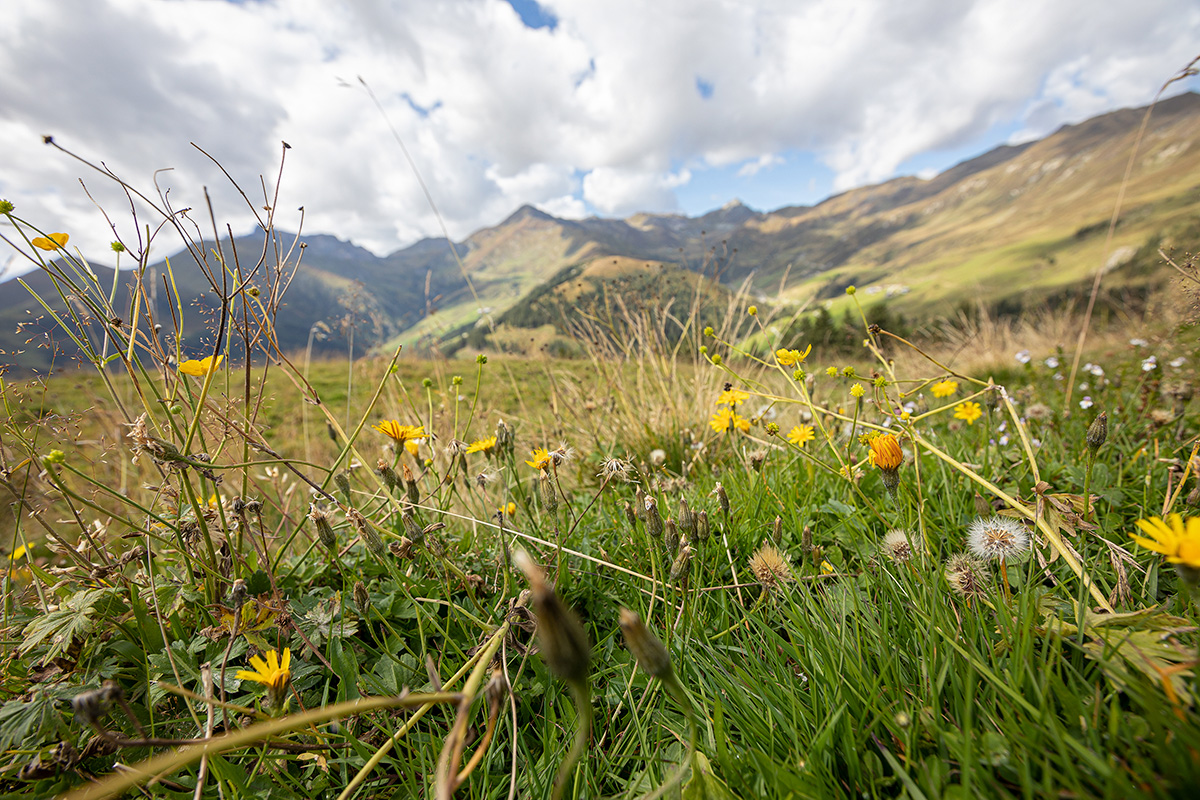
997,538
899,544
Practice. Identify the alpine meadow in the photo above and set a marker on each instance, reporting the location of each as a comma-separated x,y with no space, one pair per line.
891,496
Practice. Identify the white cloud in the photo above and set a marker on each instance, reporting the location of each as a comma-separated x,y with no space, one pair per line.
621,191
765,161
596,115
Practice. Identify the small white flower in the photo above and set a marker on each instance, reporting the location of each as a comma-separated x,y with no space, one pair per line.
1003,426
1058,376
1083,387
1149,363
1052,362
1138,342
997,538
1004,440
1024,357
1086,403
1177,362
1097,370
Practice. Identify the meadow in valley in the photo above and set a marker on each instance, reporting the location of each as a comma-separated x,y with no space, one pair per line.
699,561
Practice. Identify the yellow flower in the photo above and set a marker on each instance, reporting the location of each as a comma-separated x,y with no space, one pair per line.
968,412
484,446
413,446
201,368
885,452
400,433
508,510
801,434
857,390
944,388
727,418
732,397
826,568
270,672
1178,540
55,241
832,372
790,358
541,459
17,554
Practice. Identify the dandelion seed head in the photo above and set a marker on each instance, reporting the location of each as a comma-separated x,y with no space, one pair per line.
770,567
997,538
898,545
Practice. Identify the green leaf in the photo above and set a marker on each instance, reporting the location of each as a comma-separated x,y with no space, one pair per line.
62,628
703,785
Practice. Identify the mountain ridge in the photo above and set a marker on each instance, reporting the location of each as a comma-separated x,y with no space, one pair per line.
1003,224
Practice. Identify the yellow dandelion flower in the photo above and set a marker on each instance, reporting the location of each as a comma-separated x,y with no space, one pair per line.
721,420
1177,539
885,452
791,358
726,418
400,433
968,412
944,388
732,397
541,459
801,434
413,446
199,369
484,446
272,672
827,568
53,241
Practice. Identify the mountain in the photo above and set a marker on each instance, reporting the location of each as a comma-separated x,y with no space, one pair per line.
1017,225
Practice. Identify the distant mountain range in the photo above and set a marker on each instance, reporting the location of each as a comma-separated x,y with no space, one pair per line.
1015,226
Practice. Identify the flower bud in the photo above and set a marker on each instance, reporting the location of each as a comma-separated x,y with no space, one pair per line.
564,643
367,532
362,599
320,520
1097,432
648,649
702,528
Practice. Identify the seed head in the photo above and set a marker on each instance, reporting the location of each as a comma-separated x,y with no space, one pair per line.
966,575
899,545
997,538
771,568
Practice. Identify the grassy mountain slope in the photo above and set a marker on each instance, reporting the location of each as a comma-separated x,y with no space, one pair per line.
1011,227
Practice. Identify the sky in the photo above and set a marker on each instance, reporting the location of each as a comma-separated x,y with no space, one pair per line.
578,107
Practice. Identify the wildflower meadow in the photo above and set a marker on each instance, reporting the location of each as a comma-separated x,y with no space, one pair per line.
713,564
